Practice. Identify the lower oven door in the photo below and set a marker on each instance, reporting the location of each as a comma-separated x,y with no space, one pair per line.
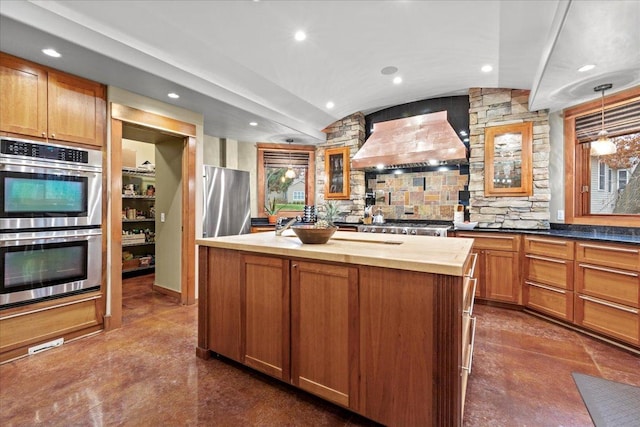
46,264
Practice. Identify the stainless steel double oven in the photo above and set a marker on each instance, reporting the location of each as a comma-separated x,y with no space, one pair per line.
50,220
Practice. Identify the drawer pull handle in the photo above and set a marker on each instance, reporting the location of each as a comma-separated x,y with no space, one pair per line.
473,298
609,304
541,258
609,270
551,242
549,288
473,341
472,270
609,248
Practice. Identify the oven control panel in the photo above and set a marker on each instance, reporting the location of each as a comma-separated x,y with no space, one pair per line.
43,151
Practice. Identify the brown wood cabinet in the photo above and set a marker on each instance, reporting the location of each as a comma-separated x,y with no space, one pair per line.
324,330
67,318
498,266
607,290
264,284
548,272
383,342
37,101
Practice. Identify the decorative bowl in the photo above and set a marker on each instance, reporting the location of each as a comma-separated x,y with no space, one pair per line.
465,225
311,235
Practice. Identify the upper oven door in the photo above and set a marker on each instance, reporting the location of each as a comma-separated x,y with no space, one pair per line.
34,195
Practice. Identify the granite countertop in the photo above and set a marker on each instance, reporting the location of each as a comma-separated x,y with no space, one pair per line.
415,253
604,234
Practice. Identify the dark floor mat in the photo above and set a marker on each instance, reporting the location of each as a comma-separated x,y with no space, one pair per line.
609,403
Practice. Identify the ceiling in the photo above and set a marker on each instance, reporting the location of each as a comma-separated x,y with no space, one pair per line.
237,62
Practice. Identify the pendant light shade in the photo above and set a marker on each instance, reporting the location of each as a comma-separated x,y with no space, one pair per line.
603,146
290,173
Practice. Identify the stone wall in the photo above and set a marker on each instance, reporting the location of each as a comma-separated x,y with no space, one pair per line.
348,132
494,107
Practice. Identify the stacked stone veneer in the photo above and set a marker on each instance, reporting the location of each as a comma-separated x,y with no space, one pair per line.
348,132
494,107
419,195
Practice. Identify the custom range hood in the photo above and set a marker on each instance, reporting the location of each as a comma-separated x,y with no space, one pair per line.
425,140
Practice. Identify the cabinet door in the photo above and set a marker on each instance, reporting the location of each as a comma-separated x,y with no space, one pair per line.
265,282
502,276
76,109
324,330
23,97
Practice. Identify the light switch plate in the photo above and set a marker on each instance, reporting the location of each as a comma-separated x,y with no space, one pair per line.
162,217
560,215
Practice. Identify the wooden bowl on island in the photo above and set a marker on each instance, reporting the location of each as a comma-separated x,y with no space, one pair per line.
311,235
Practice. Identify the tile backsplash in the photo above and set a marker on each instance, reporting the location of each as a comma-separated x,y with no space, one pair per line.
419,195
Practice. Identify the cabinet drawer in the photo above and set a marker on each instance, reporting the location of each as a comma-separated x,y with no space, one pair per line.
556,248
617,256
615,320
551,271
620,286
547,299
496,241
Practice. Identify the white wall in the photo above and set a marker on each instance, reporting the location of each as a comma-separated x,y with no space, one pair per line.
556,165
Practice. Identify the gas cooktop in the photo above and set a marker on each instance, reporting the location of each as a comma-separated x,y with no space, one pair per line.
438,230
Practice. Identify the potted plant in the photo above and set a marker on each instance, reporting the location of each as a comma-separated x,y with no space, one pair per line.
271,210
331,214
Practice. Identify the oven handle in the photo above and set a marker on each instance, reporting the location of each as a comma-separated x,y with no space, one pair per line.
51,235
52,167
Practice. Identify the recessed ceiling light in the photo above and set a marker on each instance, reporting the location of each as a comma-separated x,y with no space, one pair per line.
379,166
173,95
397,80
463,133
253,123
486,68
300,35
466,140
586,67
330,105
387,71
51,52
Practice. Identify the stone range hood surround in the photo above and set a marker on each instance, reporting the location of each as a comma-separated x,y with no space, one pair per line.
411,142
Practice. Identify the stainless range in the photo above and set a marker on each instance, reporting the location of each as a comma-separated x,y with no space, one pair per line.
417,230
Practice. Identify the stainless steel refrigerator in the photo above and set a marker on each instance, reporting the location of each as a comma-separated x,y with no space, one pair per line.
227,206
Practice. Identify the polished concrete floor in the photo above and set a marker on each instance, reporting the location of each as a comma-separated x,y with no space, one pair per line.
146,374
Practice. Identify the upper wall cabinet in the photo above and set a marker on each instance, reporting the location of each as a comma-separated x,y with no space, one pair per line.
336,170
41,102
507,160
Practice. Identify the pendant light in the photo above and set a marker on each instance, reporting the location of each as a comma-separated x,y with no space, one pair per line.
290,173
603,145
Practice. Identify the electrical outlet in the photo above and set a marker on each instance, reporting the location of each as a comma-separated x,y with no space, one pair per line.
560,215
162,217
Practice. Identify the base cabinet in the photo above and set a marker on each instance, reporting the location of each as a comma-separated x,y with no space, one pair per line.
264,283
67,318
324,331
548,272
498,266
385,343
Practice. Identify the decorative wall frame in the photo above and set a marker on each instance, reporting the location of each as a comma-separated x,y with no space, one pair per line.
336,170
508,160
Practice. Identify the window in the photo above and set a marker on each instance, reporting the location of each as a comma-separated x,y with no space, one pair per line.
601,174
290,194
622,180
603,190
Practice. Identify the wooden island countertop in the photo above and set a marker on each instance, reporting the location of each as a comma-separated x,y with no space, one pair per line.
380,324
415,253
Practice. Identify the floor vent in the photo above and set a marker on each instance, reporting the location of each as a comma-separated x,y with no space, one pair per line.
46,346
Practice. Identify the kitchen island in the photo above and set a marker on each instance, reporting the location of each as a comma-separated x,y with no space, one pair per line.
378,324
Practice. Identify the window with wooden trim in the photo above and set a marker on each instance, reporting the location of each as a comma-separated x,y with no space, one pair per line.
603,190
291,193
